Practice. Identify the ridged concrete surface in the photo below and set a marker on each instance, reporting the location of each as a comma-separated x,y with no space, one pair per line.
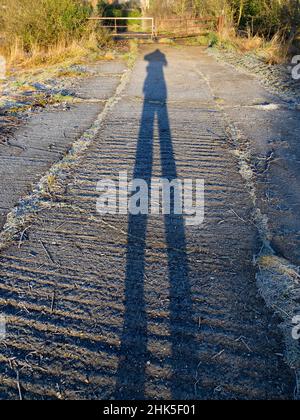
144,307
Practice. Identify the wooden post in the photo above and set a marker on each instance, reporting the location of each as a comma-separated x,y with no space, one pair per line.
221,23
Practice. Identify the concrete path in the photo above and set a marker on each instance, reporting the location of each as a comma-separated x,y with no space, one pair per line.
145,307
49,135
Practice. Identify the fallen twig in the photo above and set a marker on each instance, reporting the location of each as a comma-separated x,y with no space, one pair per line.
22,236
53,301
19,387
46,251
219,354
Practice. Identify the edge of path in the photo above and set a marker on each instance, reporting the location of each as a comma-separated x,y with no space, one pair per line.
277,278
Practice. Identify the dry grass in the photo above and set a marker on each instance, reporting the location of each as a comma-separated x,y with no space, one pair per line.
275,51
35,33
280,266
63,51
249,44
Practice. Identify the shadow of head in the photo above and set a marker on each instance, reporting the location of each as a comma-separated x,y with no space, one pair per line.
155,88
156,57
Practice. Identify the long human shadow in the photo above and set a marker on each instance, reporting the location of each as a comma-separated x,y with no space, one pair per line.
134,355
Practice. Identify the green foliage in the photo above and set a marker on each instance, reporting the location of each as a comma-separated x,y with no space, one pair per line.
120,10
261,17
266,17
134,25
43,23
111,10
213,39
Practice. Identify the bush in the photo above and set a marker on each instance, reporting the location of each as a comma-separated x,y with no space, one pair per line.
134,25
213,39
43,23
120,10
110,10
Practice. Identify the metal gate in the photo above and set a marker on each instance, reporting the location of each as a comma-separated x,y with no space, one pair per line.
184,27
149,27
123,26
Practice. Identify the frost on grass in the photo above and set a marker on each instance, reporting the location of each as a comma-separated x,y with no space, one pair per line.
279,284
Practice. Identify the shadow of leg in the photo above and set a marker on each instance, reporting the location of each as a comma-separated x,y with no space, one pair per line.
181,325
133,352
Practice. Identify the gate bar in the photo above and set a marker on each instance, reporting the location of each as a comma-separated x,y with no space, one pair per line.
115,19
